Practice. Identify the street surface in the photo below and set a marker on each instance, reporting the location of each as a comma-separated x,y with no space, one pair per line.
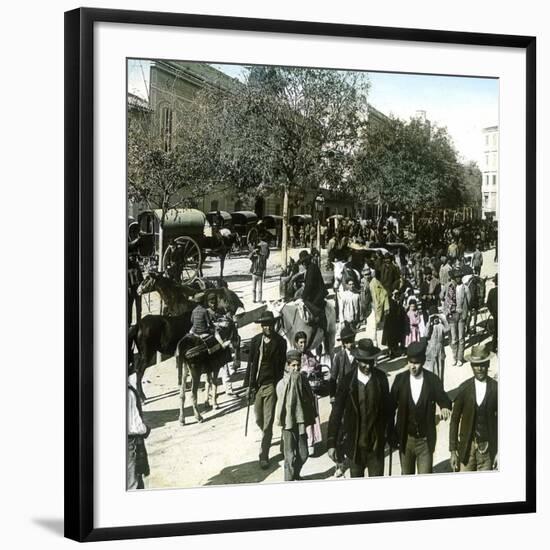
215,452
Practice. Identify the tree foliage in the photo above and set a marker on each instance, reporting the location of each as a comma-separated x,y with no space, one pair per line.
408,165
291,127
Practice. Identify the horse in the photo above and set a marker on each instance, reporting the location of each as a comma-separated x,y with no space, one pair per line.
209,364
290,322
156,333
177,297
218,245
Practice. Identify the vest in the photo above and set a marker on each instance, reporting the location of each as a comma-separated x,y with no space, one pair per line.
415,427
481,429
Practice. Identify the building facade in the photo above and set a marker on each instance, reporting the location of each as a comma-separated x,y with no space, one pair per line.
489,171
174,83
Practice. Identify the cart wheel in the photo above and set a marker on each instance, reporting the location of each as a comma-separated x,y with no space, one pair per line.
252,238
192,259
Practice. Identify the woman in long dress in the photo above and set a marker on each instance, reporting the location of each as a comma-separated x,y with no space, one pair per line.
310,366
414,324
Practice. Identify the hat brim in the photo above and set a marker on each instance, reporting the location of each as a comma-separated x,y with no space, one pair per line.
362,355
266,321
477,360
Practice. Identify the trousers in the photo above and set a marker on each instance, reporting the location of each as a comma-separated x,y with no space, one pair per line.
295,452
457,326
416,457
478,460
264,409
372,461
257,284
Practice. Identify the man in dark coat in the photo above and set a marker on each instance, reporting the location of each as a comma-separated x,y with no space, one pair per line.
473,434
414,395
389,274
492,306
342,366
314,292
266,364
363,403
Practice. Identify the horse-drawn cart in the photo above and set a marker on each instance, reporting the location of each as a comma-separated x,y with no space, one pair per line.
184,240
245,228
272,226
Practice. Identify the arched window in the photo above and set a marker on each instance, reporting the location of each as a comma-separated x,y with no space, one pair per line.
214,205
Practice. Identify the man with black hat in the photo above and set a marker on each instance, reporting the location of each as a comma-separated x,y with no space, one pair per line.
414,395
473,434
266,363
314,291
363,403
342,366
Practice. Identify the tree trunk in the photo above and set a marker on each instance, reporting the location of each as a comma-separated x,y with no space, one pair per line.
284,250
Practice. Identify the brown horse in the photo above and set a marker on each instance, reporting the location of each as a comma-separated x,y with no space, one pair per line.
202,363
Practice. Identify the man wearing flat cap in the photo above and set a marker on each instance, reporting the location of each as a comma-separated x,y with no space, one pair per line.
414,395
473,434
295,413
266,364
362,409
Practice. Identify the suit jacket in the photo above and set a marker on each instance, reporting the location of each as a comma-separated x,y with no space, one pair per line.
278,359
346,408
341,367
461,433
432,393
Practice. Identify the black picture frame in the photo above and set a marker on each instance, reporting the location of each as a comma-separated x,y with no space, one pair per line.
79,272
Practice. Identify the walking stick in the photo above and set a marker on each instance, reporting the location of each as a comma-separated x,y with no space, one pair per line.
391,458
247,415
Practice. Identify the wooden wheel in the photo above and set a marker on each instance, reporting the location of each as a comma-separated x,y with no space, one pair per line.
192,259
252,238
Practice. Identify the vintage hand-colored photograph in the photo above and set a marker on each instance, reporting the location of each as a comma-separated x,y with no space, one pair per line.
312,274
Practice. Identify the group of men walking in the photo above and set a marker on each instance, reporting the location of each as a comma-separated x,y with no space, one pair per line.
369,419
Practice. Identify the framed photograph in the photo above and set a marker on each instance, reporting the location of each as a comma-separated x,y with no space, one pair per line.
284,246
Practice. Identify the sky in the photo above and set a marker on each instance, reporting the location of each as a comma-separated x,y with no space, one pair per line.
465,105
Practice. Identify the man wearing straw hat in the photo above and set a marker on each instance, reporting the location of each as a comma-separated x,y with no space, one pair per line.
473,434
363,403
266,364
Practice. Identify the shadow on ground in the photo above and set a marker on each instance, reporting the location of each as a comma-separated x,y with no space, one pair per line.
247,472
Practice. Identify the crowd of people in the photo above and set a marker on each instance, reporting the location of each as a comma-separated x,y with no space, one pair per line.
418,300
410,293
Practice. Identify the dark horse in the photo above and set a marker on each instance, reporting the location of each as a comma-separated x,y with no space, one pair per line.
156,333
218,245
161,333
209,364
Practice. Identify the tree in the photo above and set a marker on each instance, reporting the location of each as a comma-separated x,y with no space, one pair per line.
170,165
288,129
408,165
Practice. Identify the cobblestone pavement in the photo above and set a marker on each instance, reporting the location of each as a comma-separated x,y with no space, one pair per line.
216,452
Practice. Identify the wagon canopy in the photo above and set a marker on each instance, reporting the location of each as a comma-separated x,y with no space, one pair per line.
336,217
182,219
300,219
271,222
244,217
226,217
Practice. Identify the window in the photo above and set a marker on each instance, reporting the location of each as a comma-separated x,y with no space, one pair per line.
345,212
486,199
214,205
238,205
494,179
302,210
278,209
166,127
487,161
487,139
